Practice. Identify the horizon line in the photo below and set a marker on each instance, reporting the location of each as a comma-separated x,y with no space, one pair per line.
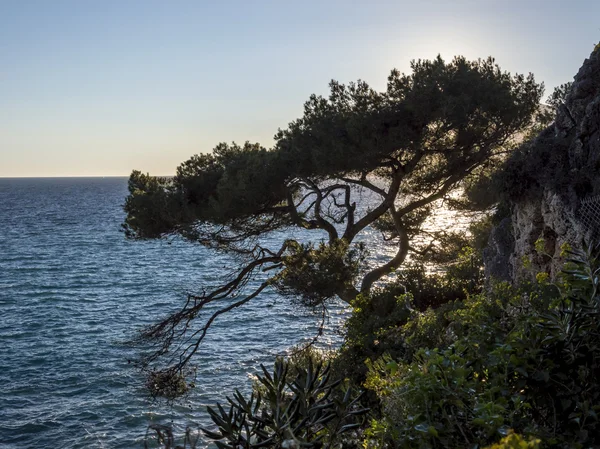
74,176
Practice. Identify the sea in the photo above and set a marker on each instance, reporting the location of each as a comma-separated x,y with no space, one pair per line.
74,293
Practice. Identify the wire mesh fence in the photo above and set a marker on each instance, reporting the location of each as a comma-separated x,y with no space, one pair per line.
589,213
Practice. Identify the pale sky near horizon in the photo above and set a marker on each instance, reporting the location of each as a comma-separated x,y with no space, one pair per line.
98,88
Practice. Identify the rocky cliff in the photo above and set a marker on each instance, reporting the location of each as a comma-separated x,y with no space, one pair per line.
555,179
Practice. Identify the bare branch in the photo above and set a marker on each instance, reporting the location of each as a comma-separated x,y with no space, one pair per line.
403,245
172,333
381,209
200,334
295,215
349,208
364,183
320,221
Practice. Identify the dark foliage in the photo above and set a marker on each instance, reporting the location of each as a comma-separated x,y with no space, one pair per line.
374,329
355,160
525,359
546,160
318,274
310,410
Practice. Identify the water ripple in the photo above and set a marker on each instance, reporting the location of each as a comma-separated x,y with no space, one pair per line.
72,290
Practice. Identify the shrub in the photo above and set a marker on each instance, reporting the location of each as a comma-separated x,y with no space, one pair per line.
514,441
309,411
515,358
375,327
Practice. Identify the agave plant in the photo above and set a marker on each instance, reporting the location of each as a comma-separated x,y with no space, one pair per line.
310,411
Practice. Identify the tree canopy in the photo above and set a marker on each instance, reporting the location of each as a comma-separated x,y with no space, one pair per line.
357,160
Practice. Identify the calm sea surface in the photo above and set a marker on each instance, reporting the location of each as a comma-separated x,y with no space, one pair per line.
73,290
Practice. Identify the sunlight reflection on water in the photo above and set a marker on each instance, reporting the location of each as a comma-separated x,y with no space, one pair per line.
73,290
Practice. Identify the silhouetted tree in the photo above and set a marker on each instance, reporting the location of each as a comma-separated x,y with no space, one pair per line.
403,149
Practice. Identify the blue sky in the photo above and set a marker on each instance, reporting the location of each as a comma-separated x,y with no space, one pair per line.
98,88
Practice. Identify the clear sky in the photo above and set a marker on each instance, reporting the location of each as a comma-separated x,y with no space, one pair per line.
98,88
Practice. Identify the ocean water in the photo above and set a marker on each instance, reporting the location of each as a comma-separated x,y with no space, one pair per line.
73,292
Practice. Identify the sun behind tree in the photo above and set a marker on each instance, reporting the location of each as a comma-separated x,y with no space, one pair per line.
404,149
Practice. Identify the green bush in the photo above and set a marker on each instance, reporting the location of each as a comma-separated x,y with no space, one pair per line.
514,441
524,358
512,367
310,411
375,327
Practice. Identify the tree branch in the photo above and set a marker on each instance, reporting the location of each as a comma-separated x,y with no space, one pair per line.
403,244
320,221
201,333
172,333
364,183
384,206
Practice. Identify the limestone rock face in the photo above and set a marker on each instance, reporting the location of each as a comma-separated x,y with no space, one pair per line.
552,212
552,219
499,251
